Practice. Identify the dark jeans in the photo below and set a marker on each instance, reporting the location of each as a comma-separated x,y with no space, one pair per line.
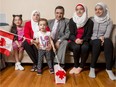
108,52
79,51
31,51
47,55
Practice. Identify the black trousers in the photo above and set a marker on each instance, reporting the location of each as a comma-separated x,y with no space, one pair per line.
31,51
79,51
108,52
0,55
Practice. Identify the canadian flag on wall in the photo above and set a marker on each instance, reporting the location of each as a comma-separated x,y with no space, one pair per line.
5,42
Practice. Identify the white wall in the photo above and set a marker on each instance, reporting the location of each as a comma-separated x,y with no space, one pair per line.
115,12
46,7
0,5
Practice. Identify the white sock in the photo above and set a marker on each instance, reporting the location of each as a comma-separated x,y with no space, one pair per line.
17,63
92,73
111,74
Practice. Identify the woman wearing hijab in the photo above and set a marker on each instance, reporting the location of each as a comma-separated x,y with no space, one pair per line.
101,39
30,28
80,34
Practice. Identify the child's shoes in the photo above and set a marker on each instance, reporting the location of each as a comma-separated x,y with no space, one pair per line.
34,68
39,72
18,66
51,71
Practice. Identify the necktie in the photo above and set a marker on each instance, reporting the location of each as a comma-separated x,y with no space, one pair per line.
57,32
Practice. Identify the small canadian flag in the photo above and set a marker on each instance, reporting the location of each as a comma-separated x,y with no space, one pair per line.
60,74
5,42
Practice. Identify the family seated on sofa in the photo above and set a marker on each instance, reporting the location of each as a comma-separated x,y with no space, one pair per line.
79,34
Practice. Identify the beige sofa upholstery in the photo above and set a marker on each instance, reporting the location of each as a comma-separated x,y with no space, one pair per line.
69,55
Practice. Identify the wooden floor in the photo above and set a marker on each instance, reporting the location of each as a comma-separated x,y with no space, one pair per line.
11,78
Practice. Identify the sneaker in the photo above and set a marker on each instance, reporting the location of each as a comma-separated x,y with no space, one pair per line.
18,66
51,71
34,68
39,72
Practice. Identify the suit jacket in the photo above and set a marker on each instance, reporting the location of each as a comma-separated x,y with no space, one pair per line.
63,31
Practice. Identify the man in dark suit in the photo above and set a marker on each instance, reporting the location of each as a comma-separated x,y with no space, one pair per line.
60,33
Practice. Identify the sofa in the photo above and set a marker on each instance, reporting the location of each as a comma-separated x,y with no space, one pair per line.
69,55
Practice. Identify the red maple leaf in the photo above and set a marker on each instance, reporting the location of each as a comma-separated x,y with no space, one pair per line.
2,42
61,74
